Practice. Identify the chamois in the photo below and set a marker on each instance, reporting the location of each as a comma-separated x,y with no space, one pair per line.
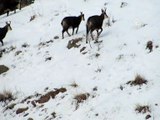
4,30
71,22
11,6
95,23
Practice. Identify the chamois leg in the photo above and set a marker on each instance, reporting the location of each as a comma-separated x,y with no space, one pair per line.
68,33
63,33
92,35
73,32
77,30
1,42
100,31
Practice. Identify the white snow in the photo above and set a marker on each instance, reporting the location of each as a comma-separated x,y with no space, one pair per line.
123,55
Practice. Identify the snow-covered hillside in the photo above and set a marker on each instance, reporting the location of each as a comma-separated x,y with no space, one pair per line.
50,81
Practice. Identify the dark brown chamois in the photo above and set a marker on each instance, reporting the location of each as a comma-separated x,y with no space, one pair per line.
71,22
11,5
4,30
95,23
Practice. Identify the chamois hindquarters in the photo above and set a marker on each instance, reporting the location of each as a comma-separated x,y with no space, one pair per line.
4,30
71,22
95,23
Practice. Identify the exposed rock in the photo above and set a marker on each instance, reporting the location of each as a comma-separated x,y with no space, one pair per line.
3,69
20,110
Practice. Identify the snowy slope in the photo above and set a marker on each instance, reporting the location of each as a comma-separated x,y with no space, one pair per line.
102,72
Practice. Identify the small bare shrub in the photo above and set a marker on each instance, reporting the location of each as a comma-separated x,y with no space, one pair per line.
139,80
75,85
142,109
6,96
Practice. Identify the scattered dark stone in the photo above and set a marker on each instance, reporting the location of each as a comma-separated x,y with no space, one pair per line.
121,87
97,55
84,53
33,103
48,59
74,43
95,88
156,104
53,114
42,44
3,69
96,114
149,46
56,37
26,114
20,110
27,98
148,116
18,52
11,106
30,119
25,45
123,4
82,49
157,46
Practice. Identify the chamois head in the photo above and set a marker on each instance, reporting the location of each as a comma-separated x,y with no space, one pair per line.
82,16
8,25
104,13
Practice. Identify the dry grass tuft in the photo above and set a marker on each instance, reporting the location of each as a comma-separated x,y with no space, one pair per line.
74,85
6,96
142,109
139,80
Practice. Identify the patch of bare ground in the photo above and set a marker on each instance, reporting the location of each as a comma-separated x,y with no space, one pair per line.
74,43
80,98
51,94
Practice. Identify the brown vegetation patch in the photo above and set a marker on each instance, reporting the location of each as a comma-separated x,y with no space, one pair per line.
51,94
74,43
139,80
142,109
20,110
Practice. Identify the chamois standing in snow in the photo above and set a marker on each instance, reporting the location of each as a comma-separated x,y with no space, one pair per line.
71,22
11,5
4,30
95,23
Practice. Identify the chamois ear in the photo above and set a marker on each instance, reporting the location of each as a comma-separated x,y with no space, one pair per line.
81,13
